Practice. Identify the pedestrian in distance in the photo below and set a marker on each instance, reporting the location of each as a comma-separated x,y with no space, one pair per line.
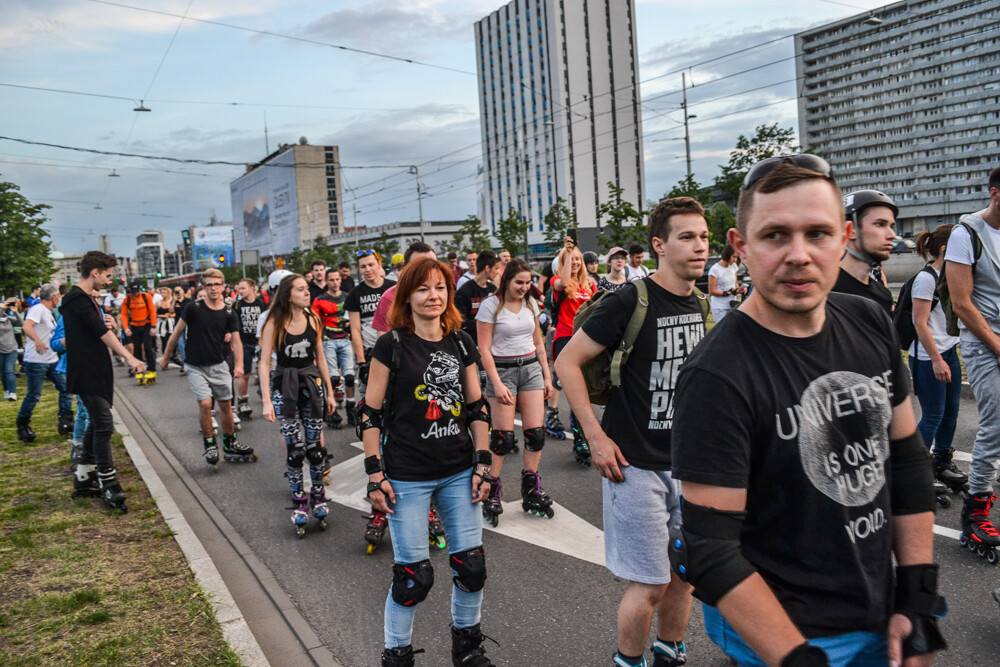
208,322
361,305
793,514
517,379
248,309
631,444
299,395
89,335
10,319
317,278
635,269
593,264
471,295
873,229
165,317
470,268
615,278
424,426
139,324
40,364
972,267
455,268
723,286
336,341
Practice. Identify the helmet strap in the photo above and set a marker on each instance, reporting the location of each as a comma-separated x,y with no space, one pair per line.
861,254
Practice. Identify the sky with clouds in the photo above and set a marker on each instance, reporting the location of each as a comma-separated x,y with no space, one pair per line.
214,71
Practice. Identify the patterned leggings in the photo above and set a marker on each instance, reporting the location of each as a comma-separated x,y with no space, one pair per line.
293,429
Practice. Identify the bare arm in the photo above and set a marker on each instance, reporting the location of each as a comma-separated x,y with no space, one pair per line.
713,286
378,382
356,343
484,331
921,316
264,365
960,289
111,340
237,348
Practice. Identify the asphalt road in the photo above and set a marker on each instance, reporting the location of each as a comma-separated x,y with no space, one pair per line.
541,605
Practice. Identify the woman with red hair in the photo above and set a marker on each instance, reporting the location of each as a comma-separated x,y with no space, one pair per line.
425,427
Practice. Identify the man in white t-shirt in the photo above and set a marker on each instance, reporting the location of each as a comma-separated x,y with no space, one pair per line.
113,301
635,270
40,363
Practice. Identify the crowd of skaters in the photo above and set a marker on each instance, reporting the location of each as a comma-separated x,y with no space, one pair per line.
434,360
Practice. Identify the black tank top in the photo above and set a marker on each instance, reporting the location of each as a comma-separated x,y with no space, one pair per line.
297,350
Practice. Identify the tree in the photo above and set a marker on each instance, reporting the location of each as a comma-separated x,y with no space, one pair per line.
720,219
688,187
558,221
510,232
24,250
472,236
768,141
385,246
621,222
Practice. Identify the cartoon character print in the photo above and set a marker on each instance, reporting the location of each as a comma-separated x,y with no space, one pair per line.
442,386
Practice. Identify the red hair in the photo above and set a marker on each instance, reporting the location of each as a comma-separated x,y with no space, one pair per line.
413,276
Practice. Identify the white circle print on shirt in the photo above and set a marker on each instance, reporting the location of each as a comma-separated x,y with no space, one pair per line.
843,423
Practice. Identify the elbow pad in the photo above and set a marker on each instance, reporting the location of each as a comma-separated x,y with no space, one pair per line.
707,554
912,476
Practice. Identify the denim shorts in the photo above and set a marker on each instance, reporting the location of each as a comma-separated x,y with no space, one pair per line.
641,514
339,357
527,377
210,381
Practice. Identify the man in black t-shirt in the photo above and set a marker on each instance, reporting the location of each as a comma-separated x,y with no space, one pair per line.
317,279
631,445
471,293
872,217
790,422
361,304
346,280
248,309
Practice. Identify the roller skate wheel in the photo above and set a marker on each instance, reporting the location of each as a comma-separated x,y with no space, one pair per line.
326,479
991,556
215,467
322,524
369,549
943,501
238,426
254,456
981,551
962,540
441,542
971,545
300,531
549,512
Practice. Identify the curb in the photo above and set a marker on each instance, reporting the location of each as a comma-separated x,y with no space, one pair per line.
234,626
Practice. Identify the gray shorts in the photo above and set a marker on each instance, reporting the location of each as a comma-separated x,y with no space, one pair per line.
641,514
519,378
210,381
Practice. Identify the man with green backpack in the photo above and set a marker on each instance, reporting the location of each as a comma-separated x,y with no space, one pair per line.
627,354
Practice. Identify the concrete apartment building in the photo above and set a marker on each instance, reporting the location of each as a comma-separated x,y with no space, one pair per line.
436,233
559,103
905,99
149,253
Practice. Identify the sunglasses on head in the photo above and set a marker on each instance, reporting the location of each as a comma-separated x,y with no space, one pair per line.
365,253
803,160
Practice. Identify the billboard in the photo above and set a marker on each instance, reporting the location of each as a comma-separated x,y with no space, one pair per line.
265,207
208,243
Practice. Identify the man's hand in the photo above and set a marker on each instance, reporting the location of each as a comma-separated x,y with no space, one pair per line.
268,410
136,365
607,457
164,362
110,323
41,347
238,372
228,338
900,628
128,331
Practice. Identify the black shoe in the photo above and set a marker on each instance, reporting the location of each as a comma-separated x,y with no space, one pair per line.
24,432
66,423
466,647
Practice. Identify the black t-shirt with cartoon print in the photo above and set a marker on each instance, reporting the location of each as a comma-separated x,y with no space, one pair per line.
427,433
803,425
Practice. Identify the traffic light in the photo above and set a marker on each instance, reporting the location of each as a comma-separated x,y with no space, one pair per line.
222,259
159,274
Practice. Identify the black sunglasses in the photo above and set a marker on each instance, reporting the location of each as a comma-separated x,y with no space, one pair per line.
804,160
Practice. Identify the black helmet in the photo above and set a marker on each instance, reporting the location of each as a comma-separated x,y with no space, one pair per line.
859,200
590,257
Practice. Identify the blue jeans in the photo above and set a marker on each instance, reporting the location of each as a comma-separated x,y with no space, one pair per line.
339,355
36,376
82,420
939,401
7,361
853,649
463,526
984,375
182,345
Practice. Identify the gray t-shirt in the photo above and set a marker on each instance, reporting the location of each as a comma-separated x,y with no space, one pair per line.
986,274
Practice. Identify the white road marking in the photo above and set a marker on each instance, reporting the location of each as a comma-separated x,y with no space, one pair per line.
962,456
946,532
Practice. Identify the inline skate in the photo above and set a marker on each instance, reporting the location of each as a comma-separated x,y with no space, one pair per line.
300,511
66,423
211,453
467,647
375,530
553,425
533,498
669,654
979,535
317,503
948,473
435,531
110,490
493,505
941,494
233,451
350,408
581,450
75,451
335,421
243,410
85,481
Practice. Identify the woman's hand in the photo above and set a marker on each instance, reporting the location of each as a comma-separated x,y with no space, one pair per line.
383,494
569,242
548,388
331,403
941,370
503,393
268,410
480,488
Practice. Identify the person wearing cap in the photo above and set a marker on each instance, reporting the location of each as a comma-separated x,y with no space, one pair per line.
593,264
397,263
615,279
872,215
139,323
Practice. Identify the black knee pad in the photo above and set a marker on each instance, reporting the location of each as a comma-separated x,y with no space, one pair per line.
348,380
411,582
295,457
470,566
315,454
501,442
534,439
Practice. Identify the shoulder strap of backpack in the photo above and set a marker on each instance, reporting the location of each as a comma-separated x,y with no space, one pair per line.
395,360
703,302
621,354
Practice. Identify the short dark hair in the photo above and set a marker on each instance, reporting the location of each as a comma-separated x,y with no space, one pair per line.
784,176
994,180
659,219
95,259
452,255
487,259
727,253
318,262
331,271
419,246
635,249
344,265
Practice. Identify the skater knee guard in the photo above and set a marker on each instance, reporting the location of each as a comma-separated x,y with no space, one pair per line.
295,458
470,569
912,476
501,442
411,582
917,598
707,554
315,454
534,439
348,380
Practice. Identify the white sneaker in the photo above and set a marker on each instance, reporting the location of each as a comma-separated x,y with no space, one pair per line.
12,397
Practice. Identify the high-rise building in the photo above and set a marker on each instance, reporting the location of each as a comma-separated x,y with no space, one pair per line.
149,253
104,243
559,103
905,99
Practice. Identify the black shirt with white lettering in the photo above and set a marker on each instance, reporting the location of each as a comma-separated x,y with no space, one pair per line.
428,437
803,425
364,301
248,313
467,300
640,413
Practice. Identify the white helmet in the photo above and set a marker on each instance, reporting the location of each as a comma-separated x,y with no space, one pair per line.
276,277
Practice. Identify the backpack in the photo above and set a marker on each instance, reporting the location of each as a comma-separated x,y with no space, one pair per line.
603,373
942,284
902,315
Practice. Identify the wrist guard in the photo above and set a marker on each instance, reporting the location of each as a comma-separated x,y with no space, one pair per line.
805,655
375,486
917,599
373,464
483,457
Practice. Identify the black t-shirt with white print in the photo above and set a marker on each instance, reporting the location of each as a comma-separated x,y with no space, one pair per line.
640,413
467,300
364,300
803,425
427,433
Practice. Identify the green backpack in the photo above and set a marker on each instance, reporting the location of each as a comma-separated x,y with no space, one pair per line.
603,373
944,295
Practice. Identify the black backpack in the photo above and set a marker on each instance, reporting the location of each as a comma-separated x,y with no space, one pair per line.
902,316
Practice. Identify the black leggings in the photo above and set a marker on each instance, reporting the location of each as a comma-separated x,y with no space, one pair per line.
97,440
142,343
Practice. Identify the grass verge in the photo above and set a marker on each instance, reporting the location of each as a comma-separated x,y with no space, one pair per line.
84,586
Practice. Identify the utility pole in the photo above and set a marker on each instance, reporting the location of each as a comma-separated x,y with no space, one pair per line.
420,201
354,208
687,136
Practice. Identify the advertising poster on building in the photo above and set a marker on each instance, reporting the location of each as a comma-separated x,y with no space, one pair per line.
265,207
209,243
